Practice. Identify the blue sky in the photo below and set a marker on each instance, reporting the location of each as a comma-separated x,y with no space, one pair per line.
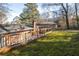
16,10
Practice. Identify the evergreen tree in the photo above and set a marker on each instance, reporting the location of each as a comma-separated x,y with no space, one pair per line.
30,13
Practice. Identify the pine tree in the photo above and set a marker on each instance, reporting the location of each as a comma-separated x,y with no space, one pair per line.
30,13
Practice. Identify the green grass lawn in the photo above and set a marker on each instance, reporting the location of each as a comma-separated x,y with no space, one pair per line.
57,43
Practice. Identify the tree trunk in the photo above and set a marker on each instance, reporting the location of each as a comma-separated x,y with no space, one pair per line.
67,22
66,14
76,13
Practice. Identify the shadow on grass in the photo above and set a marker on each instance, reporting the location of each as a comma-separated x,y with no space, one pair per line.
46,49
75,37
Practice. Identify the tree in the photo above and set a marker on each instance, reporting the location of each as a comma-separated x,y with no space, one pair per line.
16,20
76,13
66,13
3,15
65,9
3,12
30,13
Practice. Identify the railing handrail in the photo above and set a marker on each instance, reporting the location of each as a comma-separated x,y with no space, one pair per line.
17,31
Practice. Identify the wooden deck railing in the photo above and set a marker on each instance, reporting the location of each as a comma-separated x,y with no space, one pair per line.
19,37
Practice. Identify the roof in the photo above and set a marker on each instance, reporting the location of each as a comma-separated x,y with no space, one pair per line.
2,31
13,28
46,23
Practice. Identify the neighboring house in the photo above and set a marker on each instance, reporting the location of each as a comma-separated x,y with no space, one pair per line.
47,24
61,23
16,27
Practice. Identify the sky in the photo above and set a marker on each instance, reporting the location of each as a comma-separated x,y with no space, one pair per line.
16,9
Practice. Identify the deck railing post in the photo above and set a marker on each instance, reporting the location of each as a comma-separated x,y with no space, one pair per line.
1,41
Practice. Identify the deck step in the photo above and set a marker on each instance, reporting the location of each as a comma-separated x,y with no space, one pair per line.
5,49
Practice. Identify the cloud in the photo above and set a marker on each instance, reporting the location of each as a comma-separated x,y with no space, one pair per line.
10,18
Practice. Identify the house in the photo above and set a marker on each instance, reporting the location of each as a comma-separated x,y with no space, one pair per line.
45,26
51,25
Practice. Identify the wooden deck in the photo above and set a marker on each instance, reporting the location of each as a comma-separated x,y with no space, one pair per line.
12,40
20,37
